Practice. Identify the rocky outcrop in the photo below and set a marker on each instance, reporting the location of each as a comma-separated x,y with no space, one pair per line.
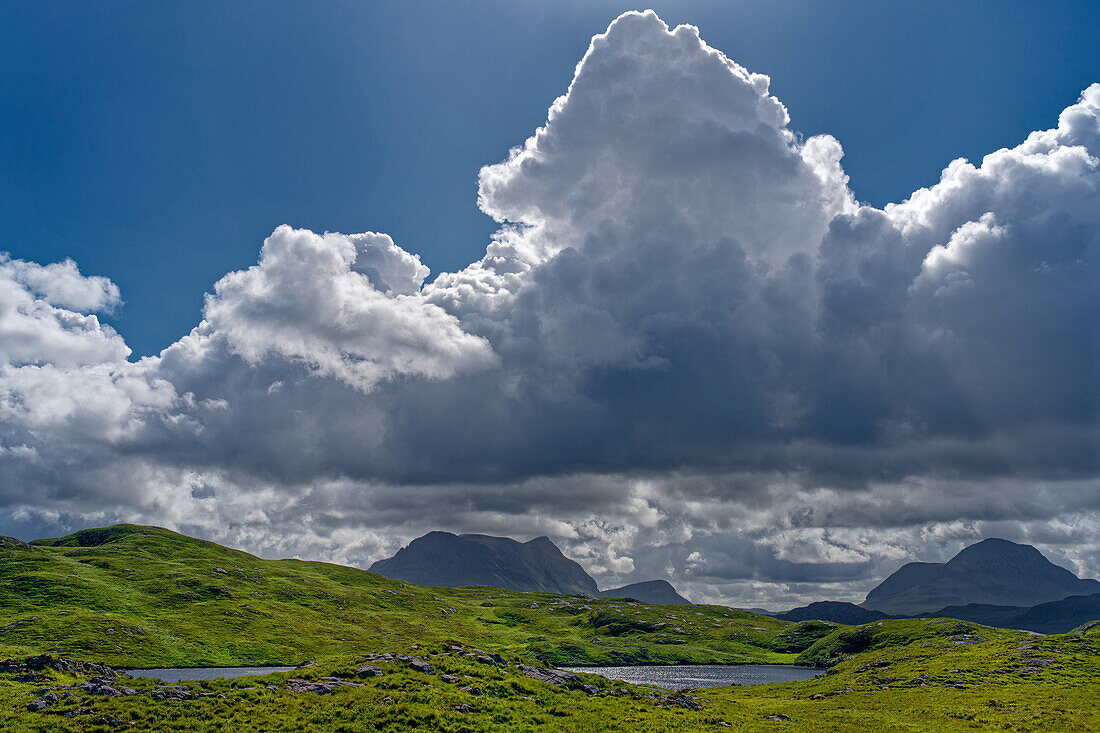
41,662
369,670
104,688
320,686
555,677
416,664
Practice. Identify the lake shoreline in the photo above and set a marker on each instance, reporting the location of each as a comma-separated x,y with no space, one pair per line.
211,666
302,665
696,676
176,675
691,664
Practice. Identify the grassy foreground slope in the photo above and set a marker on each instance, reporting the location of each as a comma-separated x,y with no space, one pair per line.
915,675
144,596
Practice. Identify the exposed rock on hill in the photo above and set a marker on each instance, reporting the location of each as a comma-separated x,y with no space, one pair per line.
13,543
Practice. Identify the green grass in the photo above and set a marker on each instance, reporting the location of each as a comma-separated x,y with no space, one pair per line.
925,681
136,596
147,597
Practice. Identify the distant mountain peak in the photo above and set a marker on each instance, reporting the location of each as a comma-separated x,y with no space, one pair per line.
994,542
448,560
537,565
655,592
994,571
996,546
840,612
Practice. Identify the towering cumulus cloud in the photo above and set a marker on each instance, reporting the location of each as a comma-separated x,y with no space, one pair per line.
688,351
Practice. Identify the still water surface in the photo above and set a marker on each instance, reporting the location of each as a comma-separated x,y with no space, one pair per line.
183,674
668,677
703,675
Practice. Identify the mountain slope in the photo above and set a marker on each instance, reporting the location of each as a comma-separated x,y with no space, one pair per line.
447,560
993,571
838,612
1052,617
657,592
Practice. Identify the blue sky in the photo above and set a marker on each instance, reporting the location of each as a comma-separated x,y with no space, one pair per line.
159,145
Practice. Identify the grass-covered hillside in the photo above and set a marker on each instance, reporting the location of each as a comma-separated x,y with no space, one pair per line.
398,657
913,675
145,596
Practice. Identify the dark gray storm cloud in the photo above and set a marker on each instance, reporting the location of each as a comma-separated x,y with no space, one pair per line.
688,352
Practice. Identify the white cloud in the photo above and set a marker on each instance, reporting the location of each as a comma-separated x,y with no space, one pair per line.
61,284
41,318
346,307
687,351
658,127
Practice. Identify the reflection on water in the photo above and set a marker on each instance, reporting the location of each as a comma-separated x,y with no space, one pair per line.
668,677
183,674
703,675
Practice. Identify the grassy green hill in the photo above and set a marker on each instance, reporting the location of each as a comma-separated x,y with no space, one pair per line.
142,596
145,596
